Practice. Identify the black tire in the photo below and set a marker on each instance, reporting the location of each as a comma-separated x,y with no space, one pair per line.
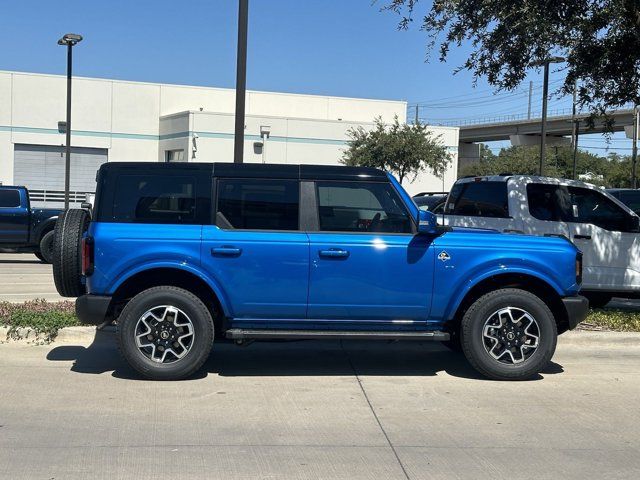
138,357
473,340
597,299
40,257
46,247
67,252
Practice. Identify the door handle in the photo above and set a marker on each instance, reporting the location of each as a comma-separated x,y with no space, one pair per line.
226,251
582,237
512,230
334,253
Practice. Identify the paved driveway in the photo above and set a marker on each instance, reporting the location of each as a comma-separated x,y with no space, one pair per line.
356,410
24,277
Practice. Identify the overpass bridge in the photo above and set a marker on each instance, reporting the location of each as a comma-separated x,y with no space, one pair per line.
505,128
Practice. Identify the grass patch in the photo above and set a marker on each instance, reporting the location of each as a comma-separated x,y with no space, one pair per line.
612,319
44,318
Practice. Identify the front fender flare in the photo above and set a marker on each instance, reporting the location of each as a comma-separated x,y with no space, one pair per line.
470,282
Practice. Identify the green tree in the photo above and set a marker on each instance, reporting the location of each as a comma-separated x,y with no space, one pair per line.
599,38
402,149
611,171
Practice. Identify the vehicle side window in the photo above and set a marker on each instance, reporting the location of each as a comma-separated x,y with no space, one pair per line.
9,199
258,204
155,199
361,207
591,206
631,199
549,202
479,199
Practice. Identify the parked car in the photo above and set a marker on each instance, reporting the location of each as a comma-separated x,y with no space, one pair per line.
178,253
23,229
434,202
629,196
601,226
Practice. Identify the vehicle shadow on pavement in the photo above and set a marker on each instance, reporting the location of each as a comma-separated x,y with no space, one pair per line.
292,358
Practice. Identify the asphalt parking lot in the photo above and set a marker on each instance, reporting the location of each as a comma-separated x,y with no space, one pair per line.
24,277
318,410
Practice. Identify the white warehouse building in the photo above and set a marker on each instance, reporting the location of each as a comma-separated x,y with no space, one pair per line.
115,120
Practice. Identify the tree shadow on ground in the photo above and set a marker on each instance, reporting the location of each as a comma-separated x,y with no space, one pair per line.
292,358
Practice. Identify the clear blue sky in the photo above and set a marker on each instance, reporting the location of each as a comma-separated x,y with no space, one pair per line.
328,47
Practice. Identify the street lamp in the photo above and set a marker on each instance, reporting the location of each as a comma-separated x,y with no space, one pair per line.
70,40
545,93
241,81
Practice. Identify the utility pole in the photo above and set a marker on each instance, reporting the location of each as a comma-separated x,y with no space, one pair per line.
69,40
530,95
241,80
417,115
634,151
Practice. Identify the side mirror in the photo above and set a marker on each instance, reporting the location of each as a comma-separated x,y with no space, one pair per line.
634,224
427,222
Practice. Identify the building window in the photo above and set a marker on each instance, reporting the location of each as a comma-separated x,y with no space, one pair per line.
174,156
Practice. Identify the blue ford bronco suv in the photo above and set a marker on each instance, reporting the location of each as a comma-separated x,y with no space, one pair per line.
180,254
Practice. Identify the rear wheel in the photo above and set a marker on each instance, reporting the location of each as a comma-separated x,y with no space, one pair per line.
509,334
165,333
67,252
46,247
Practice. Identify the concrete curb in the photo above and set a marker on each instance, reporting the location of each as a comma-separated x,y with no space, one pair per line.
577,338
65,335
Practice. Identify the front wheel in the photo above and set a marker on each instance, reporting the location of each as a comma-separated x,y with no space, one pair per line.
46,247
509,334
165,333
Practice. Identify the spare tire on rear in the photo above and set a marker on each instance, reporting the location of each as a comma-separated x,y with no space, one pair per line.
67,252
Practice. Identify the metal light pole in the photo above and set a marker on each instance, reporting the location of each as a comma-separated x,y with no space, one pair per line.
634,150
545,93
70,40
575,131
241,80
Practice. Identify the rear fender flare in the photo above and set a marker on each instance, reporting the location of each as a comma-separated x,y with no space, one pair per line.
192,269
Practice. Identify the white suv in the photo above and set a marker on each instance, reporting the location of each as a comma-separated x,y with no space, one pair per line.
605,229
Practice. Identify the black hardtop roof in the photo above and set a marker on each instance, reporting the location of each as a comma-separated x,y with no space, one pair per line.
256,170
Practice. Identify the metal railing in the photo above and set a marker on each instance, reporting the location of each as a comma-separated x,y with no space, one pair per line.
57,196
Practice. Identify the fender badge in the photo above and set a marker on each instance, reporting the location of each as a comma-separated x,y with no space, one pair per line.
444,256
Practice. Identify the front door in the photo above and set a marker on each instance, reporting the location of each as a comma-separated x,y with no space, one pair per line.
366,262
256,250
602,230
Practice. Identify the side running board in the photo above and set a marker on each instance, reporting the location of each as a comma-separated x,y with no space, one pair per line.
259,334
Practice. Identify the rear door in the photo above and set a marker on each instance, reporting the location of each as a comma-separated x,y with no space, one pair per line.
256,249
549,208
367,264
481,204
14,216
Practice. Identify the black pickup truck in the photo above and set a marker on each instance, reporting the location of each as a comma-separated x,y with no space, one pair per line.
23,229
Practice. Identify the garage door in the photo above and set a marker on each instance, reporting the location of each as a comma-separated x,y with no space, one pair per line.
41,169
